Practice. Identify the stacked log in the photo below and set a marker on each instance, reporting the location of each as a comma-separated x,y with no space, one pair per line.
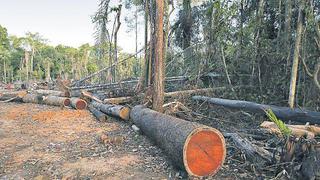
198,149
56,101
17,95
52,93
78,103
33,98
101,117
119,111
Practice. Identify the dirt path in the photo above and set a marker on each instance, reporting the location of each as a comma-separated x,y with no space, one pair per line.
38,141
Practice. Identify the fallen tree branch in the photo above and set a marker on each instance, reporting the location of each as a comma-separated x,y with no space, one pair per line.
283,113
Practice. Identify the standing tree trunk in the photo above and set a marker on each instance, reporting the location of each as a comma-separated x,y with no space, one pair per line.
294,71
115,55
26,58
4,71
158,62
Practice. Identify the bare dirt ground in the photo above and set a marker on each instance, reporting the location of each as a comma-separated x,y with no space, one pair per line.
43,142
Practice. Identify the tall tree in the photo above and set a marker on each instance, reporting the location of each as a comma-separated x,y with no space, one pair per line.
157,58
295,64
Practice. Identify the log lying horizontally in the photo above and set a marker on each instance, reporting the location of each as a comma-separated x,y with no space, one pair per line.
78,103
17,95
52,93
198,149
283,113
296,130
56,101
33,98
127,99
101,117
119,111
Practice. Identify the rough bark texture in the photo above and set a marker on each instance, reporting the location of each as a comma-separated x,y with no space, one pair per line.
98,114
17,95
52,93
56,101
33,98
295,64
158,64
78,104
283,113
175,137
121,112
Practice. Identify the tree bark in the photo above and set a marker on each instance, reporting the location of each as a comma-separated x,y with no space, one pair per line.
101,117
119,111
283,113
33,98
52,92
158,64
198,149
294,71
56,101
17,95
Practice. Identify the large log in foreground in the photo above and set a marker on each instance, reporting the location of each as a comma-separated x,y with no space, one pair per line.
56,101
119,111
198,149
283,113
78,103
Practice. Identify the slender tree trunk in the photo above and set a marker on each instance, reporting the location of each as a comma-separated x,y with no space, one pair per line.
115,56
26,56
288,16
31,61
158,74
294,71
4,71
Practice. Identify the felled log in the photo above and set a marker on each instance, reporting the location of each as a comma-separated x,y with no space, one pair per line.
87,94
118,100
119,111
198,149
98,114
52,93
15,95
253,152
283,113
127,99
33,98
296,130
78,103
56,101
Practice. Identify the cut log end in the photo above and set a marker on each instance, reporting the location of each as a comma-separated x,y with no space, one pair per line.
67,102
204,152
124,113
81,104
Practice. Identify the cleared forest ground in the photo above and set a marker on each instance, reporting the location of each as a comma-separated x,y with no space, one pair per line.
38,141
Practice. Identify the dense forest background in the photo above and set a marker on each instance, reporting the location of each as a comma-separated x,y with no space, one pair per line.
258,43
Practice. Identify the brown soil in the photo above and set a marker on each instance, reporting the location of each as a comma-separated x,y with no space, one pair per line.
43,142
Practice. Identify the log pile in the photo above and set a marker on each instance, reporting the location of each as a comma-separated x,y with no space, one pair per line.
78,103
56,101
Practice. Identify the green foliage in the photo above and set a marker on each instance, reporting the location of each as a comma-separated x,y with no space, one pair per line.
285,131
